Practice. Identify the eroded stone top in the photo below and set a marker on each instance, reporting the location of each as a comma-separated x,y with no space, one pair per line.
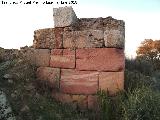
73,32
64,16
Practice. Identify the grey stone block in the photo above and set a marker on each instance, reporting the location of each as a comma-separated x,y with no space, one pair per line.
83,39
114,38
64,16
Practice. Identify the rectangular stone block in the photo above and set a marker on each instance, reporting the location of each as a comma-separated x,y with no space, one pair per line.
111,82
100,59
62,58
78,82
114,38
42,57
83,39
64,16
50,75
48,38
100,23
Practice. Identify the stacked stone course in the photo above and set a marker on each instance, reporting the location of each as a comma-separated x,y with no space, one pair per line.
78,57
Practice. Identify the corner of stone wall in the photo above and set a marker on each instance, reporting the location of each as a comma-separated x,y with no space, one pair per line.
80,56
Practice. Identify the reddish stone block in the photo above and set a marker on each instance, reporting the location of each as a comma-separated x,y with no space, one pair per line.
57,52
78,82
100,59
62,58
42,57
50,75
93,103
111,82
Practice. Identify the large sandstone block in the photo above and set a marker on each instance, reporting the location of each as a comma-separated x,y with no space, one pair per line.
78,82
111,82
50,75
114,38
48,38
64,16
62,58
42,57
100,59
83,39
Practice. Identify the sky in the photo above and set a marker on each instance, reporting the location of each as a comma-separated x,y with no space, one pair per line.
18,22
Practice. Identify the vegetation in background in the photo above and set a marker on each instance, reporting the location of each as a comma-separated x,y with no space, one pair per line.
105,105
150,50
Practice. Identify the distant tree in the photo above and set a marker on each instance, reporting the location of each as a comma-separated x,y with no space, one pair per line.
150,50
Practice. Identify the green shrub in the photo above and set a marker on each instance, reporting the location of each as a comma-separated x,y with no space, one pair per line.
141,104
105,105
156,79
135,79
140,65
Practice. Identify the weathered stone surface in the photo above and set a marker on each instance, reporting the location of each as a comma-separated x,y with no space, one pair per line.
38,57
100,59
93,103
114,38
62,58
111,82
42,57
58,32
100,23
78,82
50,75
64,16
43,38
48,38
83,39
79,64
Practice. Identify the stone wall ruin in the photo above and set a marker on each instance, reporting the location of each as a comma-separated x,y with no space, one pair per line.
80,56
